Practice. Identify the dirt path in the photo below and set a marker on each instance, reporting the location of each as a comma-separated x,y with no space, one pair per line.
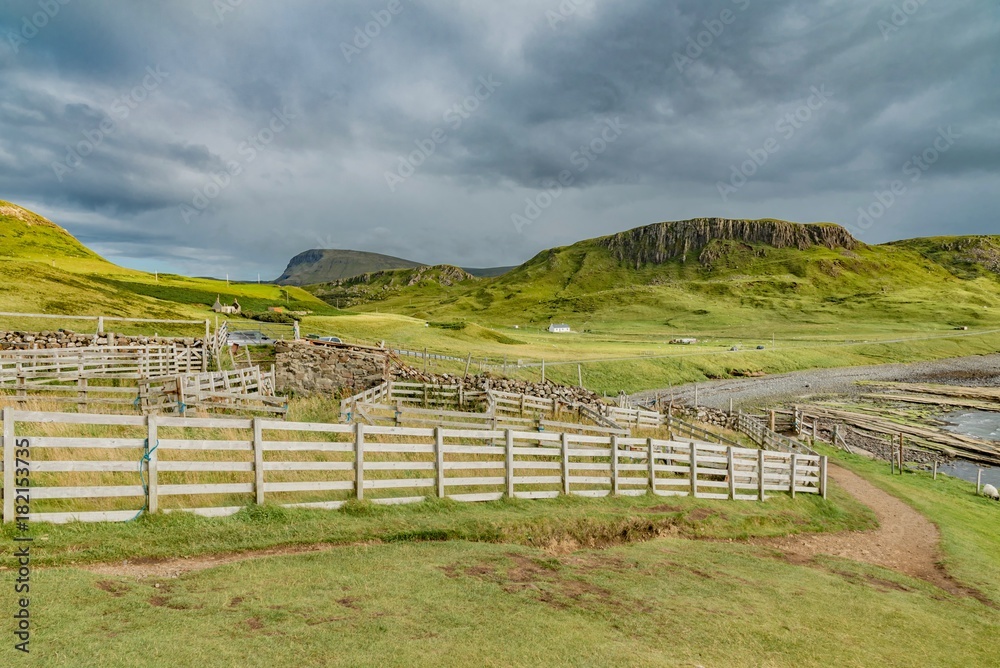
905,541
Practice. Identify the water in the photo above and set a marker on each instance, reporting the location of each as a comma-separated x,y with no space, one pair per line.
978,424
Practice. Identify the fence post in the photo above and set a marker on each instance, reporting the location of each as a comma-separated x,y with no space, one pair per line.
81,393
760,475
794,464
774,421
100,324
823,463
652,465
614,465
152,467
258,461
564,447
208,331
731,466
694,471
9,447
509,461
439,460
359,460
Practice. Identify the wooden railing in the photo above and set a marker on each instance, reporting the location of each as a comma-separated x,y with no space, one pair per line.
128,362
245,389
187,464
767,439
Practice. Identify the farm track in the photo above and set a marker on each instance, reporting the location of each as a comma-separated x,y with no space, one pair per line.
906,541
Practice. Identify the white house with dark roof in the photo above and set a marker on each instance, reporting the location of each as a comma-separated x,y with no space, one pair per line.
559,328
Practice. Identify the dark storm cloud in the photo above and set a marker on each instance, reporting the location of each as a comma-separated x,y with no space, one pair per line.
278,126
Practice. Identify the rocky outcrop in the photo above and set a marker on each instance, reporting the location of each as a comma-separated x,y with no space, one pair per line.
682,240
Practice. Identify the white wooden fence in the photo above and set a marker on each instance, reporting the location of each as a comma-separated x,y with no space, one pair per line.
389,465
69,364
247,389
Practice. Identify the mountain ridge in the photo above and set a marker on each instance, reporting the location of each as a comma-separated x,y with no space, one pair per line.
329,265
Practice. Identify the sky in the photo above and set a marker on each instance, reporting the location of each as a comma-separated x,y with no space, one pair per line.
213,137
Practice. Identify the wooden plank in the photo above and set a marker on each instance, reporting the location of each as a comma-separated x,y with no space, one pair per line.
359,461
306,446
475,482
439,464
476,498
185,490
201,467
94,492
475,466
400,483
9,464
205,446
40,417
316,486
399,466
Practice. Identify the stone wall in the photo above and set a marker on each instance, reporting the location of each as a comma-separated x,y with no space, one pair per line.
67,339
305,369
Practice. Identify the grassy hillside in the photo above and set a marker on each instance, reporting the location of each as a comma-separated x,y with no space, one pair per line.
966,257
43,269
726,285
824,298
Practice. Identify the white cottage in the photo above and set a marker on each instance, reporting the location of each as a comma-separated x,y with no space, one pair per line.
559,329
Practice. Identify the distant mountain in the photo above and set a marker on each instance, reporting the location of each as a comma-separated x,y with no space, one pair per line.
330,265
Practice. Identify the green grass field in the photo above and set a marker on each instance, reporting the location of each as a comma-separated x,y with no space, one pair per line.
514,583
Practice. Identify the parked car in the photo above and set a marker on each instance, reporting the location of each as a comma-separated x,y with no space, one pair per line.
329,339
250,338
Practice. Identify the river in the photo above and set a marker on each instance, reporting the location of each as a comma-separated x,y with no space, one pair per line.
978,424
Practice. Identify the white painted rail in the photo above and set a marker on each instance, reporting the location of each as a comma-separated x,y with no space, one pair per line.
217,466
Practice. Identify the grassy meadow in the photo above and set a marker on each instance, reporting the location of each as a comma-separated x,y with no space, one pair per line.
574,582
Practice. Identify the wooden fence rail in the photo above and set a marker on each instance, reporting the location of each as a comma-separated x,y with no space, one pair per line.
128,362
252,461
246,389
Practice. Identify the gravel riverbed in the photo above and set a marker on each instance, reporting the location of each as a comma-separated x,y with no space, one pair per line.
750,393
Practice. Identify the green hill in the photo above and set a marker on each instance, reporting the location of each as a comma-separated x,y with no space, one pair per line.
966,257
711,274
44,269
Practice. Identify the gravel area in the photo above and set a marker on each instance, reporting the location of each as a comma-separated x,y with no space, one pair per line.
749,393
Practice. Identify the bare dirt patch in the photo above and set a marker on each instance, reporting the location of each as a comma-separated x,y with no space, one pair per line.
173,568
905,541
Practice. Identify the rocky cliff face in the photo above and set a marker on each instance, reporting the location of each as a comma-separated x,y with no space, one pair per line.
664,242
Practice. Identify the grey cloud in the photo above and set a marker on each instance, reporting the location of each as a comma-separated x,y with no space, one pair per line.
321,180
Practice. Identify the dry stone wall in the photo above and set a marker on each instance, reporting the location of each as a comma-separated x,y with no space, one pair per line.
67,339
305,369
